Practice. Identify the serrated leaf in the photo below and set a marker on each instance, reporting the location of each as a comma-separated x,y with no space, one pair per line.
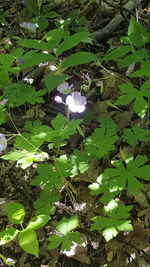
136,134
122,176
72,41
38,222
78,58
44,205
18,94
101,142
16,212
115,220
28,241
7,235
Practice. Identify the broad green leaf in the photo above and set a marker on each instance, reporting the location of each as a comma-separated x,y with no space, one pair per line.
28,241
7,235
32,7
36,59
42,22
137,34
72,41
38,222
7,60
118,52
53,81
55,241
16,212
33,43
66,225
54,37
78,58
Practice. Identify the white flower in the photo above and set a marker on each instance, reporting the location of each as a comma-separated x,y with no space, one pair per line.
76,102
64,88
4,101
28,25
3,142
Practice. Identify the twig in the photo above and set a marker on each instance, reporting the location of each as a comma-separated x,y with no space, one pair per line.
115,22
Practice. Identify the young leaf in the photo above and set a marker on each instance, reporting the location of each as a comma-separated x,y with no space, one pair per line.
37,222
78,58
72,41
122,176
7,235
16,212
28,241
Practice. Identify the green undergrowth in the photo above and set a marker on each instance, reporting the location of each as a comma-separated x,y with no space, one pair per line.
56,168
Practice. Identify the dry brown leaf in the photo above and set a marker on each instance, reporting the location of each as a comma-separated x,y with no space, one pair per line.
139,237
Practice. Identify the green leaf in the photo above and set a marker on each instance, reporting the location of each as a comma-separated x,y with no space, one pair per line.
78,58
53,81
101,142
28,241
143,71
66,225
137,34
19,94
140,105
38,222
122,177
35,59
32,7
7,235
42,22
16,212
72,41
44,205
7,60
115,220
135,134
102,186
118,52
55,241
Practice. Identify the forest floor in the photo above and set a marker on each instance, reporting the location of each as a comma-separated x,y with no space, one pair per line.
127,249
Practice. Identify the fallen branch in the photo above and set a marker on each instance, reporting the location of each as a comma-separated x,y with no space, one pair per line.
115,22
